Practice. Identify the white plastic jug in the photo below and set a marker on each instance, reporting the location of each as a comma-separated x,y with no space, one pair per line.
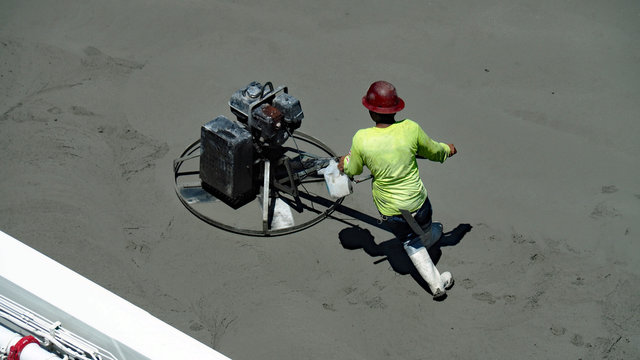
338,184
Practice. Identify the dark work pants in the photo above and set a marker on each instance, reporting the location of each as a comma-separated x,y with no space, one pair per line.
399,226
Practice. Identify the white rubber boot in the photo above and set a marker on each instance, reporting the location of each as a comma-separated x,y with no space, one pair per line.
438,284
447,280
422,261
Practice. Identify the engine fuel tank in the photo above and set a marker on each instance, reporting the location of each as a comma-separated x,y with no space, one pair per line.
226,161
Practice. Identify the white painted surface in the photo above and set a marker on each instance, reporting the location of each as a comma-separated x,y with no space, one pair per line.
98,307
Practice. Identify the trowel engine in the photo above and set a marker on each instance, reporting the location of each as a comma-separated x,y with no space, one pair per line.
232,151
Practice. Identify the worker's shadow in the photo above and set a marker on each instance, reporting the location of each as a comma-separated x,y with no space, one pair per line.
355,237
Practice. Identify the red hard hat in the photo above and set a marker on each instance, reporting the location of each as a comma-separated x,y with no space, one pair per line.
382,98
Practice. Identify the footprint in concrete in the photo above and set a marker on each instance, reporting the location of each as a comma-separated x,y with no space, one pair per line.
329,307
536,258
412,293
577,340
351,295
557,330
603,210
196,326
467,283
579,281
375,303
509,299
379,285
81,111
532,301
484,296
521,239
349,289
54,110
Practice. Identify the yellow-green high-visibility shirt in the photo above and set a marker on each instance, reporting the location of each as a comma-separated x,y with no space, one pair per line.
390,154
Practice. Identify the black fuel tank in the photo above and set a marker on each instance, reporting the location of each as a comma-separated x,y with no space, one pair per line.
226,161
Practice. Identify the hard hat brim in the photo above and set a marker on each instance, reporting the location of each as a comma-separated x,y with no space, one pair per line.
383,110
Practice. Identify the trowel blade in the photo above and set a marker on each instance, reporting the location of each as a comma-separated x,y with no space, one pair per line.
282,216
195,194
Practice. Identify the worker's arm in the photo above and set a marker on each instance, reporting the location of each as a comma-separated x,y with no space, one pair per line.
352,163
433,150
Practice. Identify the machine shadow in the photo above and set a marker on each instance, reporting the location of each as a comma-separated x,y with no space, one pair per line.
354,237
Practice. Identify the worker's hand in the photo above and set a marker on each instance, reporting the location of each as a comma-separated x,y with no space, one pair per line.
341,164
453,150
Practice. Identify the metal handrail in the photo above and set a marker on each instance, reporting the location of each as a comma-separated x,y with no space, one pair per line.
51,333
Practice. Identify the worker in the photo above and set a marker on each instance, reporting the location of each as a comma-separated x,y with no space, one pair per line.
389,151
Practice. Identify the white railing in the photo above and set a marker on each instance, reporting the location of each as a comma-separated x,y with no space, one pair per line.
52,335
